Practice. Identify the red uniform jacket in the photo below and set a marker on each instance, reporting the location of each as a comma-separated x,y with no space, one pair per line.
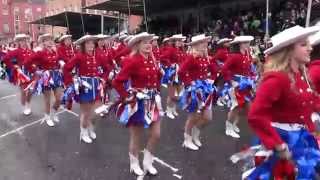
87,65
236,64
280,100
197,68
65,53
142,72
172,55
21,55
44,59
221,54
314,73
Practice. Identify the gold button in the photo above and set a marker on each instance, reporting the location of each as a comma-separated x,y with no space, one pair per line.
301,117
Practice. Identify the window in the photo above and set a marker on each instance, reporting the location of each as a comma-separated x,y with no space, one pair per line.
16,9
17,17
6,28
5,11
4,2
39,9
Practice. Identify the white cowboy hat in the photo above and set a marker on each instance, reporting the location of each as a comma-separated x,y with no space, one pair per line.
21,36
85,38
199,38
127,39
178,37
315,39
165,39
155,38
122,37
242,39
63,37
289,36
224,40
44,36
141,36
102,36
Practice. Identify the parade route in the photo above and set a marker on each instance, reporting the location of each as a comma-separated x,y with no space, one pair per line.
33,151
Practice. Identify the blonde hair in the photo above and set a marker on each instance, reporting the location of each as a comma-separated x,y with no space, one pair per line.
280,62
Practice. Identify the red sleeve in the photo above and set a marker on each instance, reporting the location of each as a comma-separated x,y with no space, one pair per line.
7,58
184,70
61,54
105,63
166,56
227,68
67,69
213,68
123,76
260,113
33,61
123,52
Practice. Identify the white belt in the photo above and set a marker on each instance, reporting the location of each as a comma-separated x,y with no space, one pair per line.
287,126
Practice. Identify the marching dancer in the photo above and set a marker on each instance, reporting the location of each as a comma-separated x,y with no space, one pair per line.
221,54
65,51
236,68
47,62
171,58
280,114
140,103
14,61
198,73
87,86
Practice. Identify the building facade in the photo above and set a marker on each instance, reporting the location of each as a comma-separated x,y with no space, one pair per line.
16,16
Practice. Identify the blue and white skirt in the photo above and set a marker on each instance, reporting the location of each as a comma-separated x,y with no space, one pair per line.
89,90
198,97
305,154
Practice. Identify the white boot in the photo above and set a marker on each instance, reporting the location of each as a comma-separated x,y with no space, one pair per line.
169,113
84,135
27,109
147,163
174,110
230,131
235,128
54,116
196,136
48,120
188,143
134,165
92,133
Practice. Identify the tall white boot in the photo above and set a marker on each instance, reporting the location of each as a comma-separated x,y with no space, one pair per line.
169,112
230,131
174,110
84,135
188,143
196,136
147,163
92,132
235,127
54,116
27,109
134,165
48,120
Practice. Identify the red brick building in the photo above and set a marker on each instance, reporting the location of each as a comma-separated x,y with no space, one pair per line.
16,15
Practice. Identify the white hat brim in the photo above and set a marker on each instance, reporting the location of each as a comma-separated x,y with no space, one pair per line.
135,39
223,41
293,39
44,36
21,36
237,41
64,37
206,39
84,39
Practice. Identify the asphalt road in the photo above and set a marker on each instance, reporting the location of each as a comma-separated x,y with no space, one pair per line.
38,152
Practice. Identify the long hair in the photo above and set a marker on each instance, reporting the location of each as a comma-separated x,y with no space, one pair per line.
280,62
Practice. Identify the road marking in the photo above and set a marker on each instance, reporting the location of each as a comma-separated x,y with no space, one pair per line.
17,130
177,176
7,97
71,112
165,164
